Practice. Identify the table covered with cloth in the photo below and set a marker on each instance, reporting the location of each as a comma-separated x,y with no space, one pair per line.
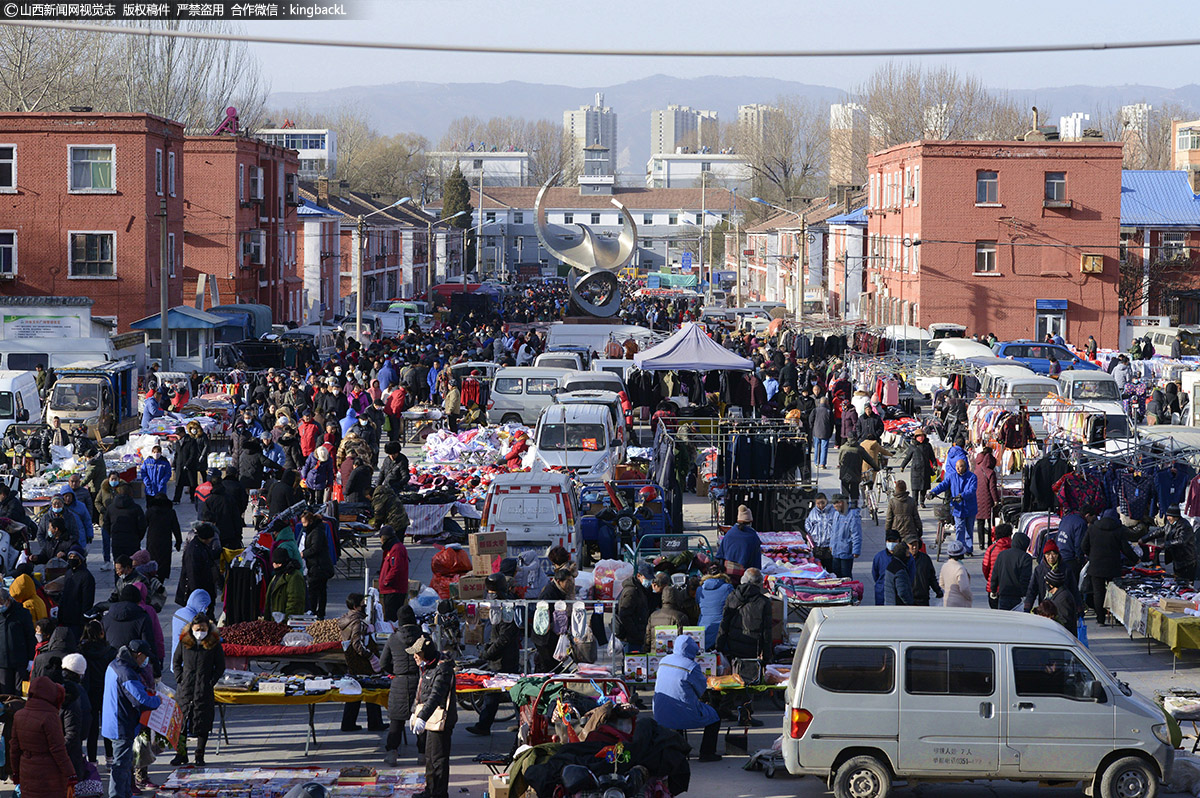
1177,631
425,520
235,697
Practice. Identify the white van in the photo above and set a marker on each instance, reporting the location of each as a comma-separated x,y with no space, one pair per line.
19,400
884,694
559,360
1096,392
535,510
27,355
579,438
594,381
607,399
519,393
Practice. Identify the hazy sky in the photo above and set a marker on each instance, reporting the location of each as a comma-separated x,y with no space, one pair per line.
765,24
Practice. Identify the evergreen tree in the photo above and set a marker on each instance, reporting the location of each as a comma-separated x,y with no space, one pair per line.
456,196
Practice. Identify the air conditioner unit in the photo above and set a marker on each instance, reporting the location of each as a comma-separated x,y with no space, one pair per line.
910,193
8,275
1091,264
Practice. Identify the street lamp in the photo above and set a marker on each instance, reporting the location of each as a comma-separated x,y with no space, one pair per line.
358,272
803,252
431,257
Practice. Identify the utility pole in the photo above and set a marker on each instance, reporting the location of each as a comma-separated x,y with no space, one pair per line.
358,277
478,236
737,254
163,295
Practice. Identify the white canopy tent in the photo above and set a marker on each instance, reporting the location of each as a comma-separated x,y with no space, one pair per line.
690,349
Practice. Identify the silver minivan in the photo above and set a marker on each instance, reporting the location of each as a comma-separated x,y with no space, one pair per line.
520,393
884,694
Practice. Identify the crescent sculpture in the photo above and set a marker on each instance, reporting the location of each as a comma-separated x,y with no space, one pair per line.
598,293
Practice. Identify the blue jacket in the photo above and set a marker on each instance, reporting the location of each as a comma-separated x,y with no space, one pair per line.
125,697
85,521
386,375
962,485
155,474
955,453
150,409
317,475
879,568
711,595
275,454
679,687
197,602
1071,530
742,546
846,541
898,582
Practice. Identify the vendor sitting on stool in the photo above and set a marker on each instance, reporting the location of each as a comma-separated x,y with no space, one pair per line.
679,697
740,547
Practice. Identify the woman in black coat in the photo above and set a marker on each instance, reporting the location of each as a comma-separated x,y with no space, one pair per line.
198,663
922,463
162,525
98,653
405,675
284,493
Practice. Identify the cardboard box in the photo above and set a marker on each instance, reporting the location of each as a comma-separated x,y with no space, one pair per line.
471,587
414,588
485,547
498,785
1175,605
664,637
652,663
707,662
637,667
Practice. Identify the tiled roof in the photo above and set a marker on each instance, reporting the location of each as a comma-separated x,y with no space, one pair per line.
353,204
1158,199
636,199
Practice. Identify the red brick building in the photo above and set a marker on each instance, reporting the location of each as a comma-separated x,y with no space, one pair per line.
80,197
1019,238
240,200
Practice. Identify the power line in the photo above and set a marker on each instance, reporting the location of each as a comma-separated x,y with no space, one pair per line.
601,53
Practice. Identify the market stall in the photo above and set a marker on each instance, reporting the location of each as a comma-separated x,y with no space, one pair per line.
1149,603
351,782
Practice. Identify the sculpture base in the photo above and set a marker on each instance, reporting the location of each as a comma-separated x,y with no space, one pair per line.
598,294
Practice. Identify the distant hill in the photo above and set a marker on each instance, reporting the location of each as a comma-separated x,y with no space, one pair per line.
427,108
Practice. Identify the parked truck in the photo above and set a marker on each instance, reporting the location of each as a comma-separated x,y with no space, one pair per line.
101,397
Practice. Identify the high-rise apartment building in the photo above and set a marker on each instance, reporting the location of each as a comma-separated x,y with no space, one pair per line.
591,124
847,144
754,119
680,126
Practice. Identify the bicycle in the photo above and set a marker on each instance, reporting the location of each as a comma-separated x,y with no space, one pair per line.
945,525
867,492
885,483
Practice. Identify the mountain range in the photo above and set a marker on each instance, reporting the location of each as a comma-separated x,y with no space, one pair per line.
427,108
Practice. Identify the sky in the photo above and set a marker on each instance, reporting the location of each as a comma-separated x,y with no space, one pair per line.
749,24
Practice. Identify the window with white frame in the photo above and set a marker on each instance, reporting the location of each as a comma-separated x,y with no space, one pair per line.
1056,186
256,183
985,257
158,172
917,184
8,167
8,253
518,217
92,254
1174,245
187,343
253,246
568,218
595,218
647,218
171,173
987,187
92,169
171,260
673,218
489,217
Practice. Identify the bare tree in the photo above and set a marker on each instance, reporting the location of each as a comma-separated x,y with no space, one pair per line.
396,166
547,154
49,70
787,154
1145,130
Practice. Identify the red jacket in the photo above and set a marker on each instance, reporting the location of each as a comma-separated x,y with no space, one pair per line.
395,402
393,573
310,431
38,751
989,558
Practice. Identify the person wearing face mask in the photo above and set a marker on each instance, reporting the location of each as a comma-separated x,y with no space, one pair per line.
403,668
434,715
502,653
38,753
58,511
198,664
285,592
393,573
78,510
125,699
633,608
78,591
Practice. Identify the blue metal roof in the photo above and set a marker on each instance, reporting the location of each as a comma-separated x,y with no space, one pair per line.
183,317
1158,199
310,208
858,216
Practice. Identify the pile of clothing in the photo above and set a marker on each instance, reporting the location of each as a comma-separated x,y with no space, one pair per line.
484,445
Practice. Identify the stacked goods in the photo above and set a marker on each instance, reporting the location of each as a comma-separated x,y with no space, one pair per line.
324,632
259,634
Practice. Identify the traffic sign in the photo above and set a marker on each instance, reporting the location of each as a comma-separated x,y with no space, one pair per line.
685,262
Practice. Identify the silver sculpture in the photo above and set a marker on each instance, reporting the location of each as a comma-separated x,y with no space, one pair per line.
598,293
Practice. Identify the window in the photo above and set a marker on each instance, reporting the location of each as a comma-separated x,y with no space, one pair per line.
1124,248
595,218
1174,245
568,218
518,217
647,218
252,246
700,219
171,173
857,669
987,187
1051,672
8,167
158,172
507,385
8,253
673,218
1189,139
256,183
917,185
1056,186
949,671
187,343
985,257
92,255
477,163
541,385
91,169
241,182
23,361
171,254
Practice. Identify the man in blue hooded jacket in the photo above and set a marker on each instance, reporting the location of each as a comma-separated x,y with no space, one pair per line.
125,699
679,697
962,484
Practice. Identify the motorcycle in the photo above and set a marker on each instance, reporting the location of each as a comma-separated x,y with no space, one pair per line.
580,782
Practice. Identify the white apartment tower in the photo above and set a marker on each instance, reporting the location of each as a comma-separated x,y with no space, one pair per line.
682,127
591,124
754,119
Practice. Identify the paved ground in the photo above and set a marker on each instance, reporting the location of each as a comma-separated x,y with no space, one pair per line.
275,736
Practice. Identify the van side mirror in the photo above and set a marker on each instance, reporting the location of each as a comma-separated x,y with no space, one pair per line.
1096,692
23,415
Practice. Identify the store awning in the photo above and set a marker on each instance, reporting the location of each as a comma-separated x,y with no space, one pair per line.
690,349
1051,304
